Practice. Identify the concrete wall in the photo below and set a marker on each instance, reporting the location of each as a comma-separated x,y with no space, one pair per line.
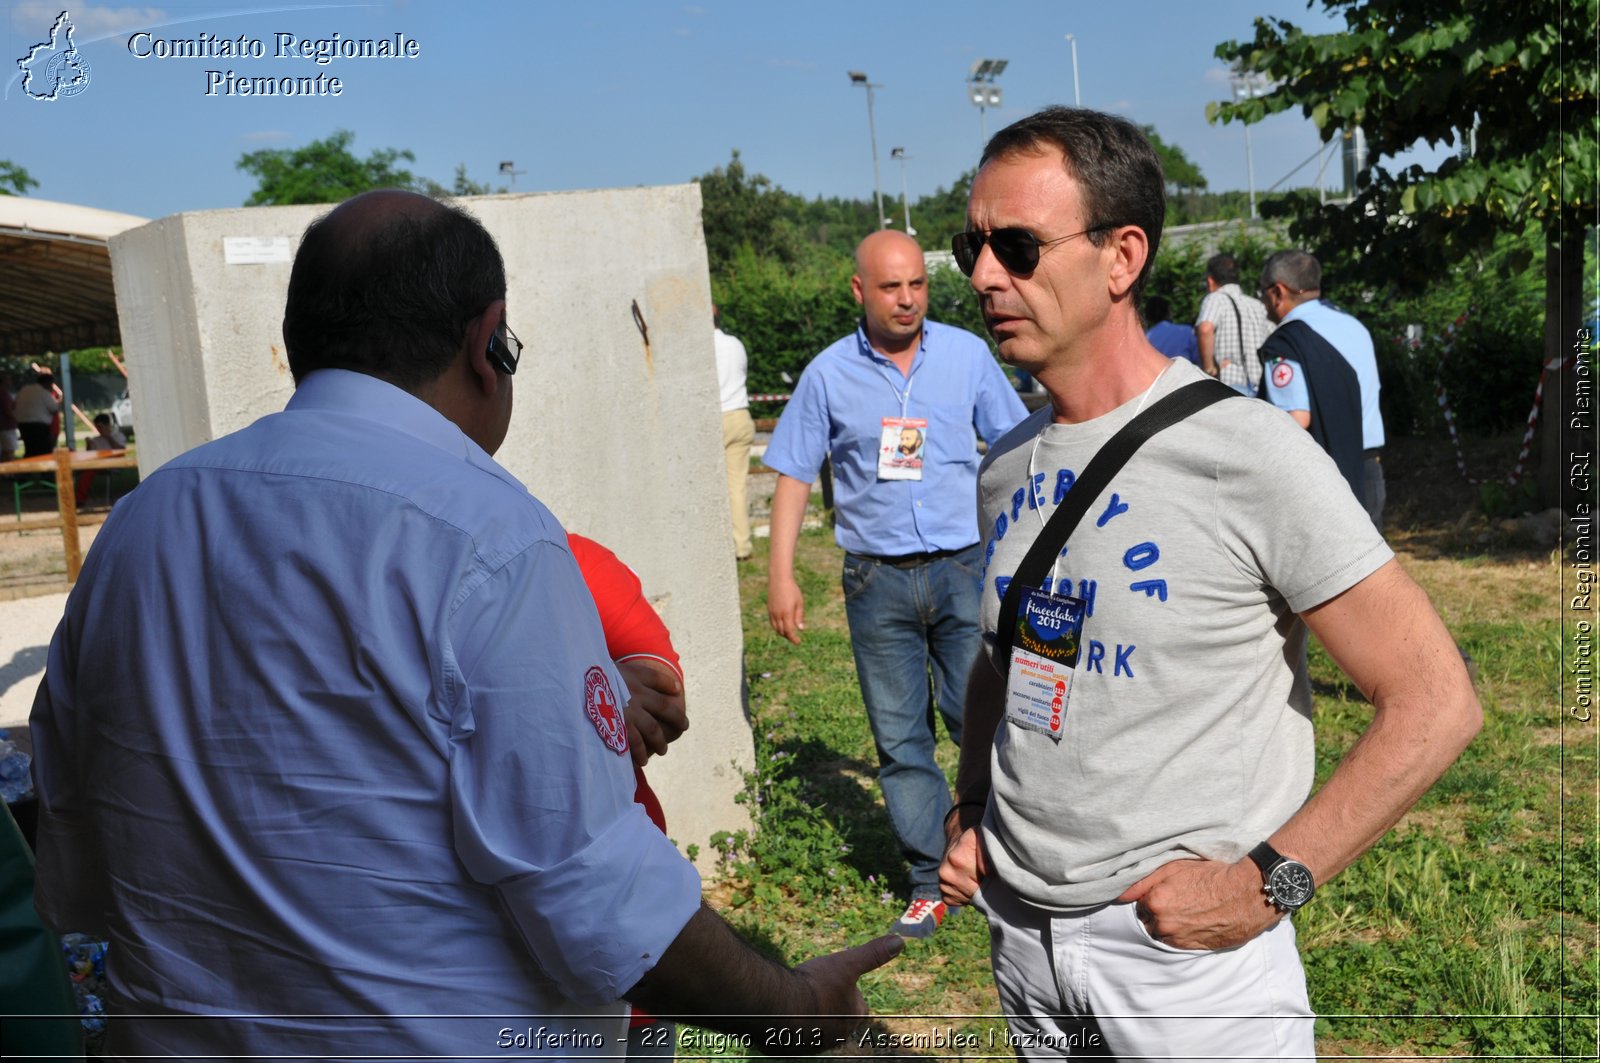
620,437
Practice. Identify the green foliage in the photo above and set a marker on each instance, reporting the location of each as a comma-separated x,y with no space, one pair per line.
1518,82
323,171
784,315
462,186
14,180
1180,266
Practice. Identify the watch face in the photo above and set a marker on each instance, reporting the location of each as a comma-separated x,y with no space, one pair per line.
1291,885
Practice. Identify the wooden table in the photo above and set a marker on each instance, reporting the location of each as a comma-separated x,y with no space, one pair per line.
67,464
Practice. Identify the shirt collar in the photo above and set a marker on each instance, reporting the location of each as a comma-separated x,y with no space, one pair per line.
371,399
865,347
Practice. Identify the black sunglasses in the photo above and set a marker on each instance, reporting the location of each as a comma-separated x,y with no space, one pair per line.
1017,249
504,354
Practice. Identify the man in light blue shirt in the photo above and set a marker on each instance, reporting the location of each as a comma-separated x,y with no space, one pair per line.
329,743
1291,290
894,407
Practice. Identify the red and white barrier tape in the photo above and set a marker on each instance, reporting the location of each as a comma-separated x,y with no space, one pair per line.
1446,341
769,398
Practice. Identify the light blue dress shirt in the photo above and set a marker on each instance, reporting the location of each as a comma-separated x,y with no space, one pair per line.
318,743
837,412
1351,339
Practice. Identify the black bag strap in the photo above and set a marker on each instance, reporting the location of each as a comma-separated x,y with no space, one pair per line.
1239,320
1086,489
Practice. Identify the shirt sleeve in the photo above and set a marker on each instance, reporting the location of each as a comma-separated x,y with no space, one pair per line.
542,787
800,441
1210,309
998,408
1285,383
631,626
71,884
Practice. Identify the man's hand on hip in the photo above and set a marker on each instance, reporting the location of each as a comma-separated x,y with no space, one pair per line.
963,868
1202,904
786,608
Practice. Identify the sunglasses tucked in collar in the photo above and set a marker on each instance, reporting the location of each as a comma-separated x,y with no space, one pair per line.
1017,249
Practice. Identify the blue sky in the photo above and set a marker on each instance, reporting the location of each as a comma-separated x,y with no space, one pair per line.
615,93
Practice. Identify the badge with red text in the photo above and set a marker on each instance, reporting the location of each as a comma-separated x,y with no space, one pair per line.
1044,656
1282,373
604,712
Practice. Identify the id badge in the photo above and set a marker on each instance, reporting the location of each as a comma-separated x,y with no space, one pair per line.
900,448
1044,655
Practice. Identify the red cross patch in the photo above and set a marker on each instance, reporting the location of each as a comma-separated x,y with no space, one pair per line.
604,712
1282,373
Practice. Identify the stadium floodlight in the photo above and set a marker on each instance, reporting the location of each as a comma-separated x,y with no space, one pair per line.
859,78
982,90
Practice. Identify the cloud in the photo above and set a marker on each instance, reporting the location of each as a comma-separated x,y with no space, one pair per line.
695,10
1218,75
680,32
92,23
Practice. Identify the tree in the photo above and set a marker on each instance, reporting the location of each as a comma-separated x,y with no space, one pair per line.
740,210
1514,84
463,186
324,171
14,180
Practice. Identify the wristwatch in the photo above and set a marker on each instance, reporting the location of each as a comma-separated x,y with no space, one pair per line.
1287,883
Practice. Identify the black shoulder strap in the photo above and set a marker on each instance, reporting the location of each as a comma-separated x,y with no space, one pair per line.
1238,320
1111,457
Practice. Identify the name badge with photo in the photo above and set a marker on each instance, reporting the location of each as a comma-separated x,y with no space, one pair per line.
900,448
1044,656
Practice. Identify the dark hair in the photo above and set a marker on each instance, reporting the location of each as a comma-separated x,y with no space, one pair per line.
1157,309
1222,269
1112,161
391,299
102,418
1300,270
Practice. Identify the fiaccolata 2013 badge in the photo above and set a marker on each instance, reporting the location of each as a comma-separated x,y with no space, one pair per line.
1044,655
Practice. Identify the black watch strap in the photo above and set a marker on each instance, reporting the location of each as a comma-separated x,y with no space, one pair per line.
1265,856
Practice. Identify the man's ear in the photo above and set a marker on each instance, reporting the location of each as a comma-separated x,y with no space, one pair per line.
855,289
479,333
1130,249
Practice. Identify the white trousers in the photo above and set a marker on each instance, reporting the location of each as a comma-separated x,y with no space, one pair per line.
1093,982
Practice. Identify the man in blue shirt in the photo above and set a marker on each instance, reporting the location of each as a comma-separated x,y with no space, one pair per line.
1291,290
906,525
1166,336
329,742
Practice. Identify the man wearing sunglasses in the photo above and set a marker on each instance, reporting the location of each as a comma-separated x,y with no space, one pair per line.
329,739
911,555
1321,368
1135,824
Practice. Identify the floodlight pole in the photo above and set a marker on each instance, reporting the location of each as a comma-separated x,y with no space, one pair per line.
858,78
509,168
905,204
1077,98
982,90
1241,81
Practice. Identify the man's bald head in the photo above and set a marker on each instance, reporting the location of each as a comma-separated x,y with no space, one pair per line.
882,243
891,284
386,284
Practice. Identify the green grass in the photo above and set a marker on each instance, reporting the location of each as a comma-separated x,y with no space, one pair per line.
1468,931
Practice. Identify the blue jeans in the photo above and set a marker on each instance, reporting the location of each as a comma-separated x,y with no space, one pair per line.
914,632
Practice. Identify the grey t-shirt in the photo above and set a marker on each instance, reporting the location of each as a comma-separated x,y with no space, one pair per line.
1188,727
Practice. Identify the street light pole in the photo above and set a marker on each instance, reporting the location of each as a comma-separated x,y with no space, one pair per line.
1077,98
858,78
905,204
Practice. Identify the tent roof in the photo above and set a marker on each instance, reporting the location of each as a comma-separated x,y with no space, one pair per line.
55,276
